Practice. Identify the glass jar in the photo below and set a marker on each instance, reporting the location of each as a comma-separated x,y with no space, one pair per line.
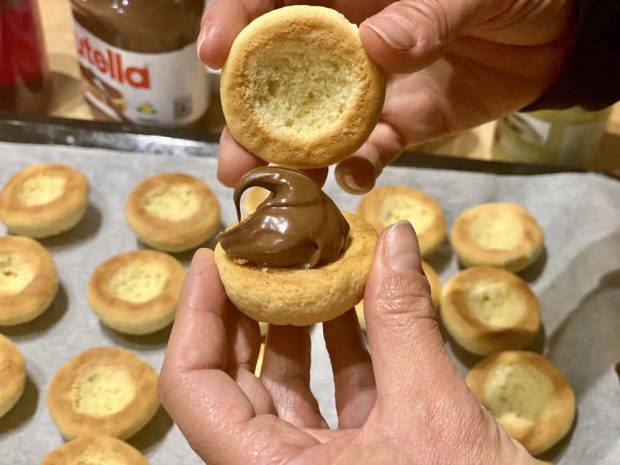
24,72
138,59
568,137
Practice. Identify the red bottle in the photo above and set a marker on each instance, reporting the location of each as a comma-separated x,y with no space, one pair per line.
24,83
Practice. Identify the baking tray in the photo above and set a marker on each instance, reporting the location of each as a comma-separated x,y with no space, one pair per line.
577,280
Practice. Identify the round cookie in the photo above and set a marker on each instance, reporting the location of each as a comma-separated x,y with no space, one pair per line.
488,309
386,205
527,395
298,89
28,280
12,374
136,292
300,296
252,198
44,200
504,235
104,390
172,212
95,450
433,281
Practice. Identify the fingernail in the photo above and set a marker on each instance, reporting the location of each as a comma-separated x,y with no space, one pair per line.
347,181
357,179
402,252
394,30
195,259
201,39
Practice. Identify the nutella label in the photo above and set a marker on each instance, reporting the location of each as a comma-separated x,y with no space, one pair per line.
144,88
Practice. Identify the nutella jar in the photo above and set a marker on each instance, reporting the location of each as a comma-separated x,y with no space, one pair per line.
138,59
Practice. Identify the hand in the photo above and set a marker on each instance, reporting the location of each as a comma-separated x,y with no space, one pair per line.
405,403
451,65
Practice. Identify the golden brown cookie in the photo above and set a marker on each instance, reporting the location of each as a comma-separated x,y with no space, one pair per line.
104,390
386,205
298,89
300,296
136,292
43,200
172,212
488,309
28,280
12,375
433,281
504,235
95,450
252,198
527,395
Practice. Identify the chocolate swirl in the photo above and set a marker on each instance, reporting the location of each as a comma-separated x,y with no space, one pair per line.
296,226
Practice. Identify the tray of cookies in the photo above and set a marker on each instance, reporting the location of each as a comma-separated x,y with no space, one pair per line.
102,272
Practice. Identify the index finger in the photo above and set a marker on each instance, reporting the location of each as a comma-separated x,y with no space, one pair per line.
207,405
198,337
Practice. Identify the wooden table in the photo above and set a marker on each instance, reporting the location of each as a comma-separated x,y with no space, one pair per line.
68,100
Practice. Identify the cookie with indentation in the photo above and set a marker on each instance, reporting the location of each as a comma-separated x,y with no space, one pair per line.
172,212
527,395
487,309
44,200
386,205
298,89
301,296
28,280
252,198
104,391
136,292
504,235
433,281
12,374
95,450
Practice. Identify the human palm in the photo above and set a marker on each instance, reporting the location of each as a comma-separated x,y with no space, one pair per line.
450,65
404,403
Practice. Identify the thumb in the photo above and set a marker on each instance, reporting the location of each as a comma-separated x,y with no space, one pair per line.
411,34
407,349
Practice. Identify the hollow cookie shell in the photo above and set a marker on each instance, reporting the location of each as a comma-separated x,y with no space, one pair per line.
136,292
504,235
44,200
488,309
12,375
252,198
298,89
172,212
527,395
300,296
95,450
28,280
104,390
386,205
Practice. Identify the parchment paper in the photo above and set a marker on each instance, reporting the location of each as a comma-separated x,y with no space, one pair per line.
577,282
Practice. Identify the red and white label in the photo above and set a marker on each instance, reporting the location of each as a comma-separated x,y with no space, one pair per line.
145,88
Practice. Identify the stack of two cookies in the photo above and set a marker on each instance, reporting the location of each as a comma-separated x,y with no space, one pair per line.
299,91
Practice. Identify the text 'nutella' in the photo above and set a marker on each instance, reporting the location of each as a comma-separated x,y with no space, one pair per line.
298,225
138,59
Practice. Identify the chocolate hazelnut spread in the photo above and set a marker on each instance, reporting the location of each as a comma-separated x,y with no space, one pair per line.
298,225
138,59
